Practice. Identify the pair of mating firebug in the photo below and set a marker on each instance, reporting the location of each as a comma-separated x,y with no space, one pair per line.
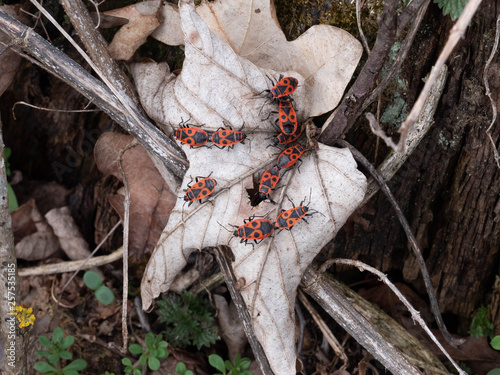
197,137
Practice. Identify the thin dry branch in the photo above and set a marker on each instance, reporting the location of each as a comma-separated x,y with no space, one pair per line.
360,28
411,238
488,92
62,267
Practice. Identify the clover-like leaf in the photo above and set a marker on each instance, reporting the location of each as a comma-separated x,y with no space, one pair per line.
218,85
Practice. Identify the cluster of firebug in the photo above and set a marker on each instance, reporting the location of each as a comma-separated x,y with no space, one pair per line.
291,130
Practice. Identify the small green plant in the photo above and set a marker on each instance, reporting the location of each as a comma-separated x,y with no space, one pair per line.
452,7
189,321
495,342
56,351
239,367
102,292
181,369
13,204
481,326
156,349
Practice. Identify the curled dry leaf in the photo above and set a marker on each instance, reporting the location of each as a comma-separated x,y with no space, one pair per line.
66,230
151,199
231,327
34,238
325,56
143,19
215,85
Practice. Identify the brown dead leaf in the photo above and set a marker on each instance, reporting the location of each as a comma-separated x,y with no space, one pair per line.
9,60
34,238
143,19
151,198
67,231
231,327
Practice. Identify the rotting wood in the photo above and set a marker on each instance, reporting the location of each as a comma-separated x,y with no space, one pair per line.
378,333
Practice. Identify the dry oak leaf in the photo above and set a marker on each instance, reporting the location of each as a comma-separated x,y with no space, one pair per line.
215,85
151,198
324,56
143,19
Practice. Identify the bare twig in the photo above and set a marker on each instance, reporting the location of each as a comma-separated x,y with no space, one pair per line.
330,337
72,266
411,238
360,28
50,109
242,310
414,313
457,32
488,92
126,224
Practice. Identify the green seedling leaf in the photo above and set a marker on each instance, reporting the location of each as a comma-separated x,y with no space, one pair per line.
150,339
495,371
127,361
92,280
217,362
57,335
43,367
495,342
153,363
180,368
65,354
44,340
67,342
13,204
104,295
42,353
452,7
76,365
135,349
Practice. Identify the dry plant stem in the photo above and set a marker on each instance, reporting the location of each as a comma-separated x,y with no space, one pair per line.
96,47
360,28
414,313
488,92
126,224
63,267
407,15
49,109
14,338
457,32
338,305
411,238
242,310
330,337
57,63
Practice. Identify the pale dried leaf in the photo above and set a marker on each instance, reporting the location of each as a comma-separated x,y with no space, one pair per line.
151,197
9,60
169,32
231,327
35,239
68,233
143,19
216,84
325,56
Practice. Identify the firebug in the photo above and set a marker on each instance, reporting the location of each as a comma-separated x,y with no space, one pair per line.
268,181
287,118
202,188
288,157
192,136
224,137
254,229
